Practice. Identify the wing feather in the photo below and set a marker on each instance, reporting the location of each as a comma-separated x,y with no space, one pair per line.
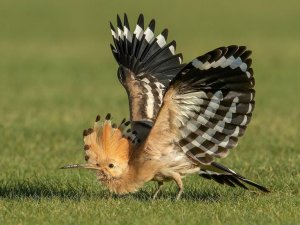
209,105
147,64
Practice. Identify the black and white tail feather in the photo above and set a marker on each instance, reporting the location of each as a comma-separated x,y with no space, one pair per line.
147,64
229,177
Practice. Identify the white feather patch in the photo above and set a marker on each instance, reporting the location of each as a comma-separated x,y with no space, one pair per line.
235,100
187,147
236,63
236,132
114,35
161,41
180,59
160,88
127,34
192,127
120,33
198,141
149,35
249,109
248,74
212,150
244,121
243,67
172,49
220,62
224,143
228,117
200,155
138,32
208,135
196,63
228,61
150,100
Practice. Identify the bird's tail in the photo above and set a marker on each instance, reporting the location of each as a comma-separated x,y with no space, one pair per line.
224,175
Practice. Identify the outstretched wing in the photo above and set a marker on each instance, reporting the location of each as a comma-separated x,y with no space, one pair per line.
208,105
147,64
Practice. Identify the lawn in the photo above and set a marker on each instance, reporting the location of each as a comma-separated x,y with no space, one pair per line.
57,73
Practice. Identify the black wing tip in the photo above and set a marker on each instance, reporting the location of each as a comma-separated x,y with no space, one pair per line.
112,47
165,33
174,44
111,26
140,21
126,23
246,55
233,47
152,25
243,47
119,22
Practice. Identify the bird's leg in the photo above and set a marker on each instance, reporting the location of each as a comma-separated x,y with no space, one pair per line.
177,178
160,184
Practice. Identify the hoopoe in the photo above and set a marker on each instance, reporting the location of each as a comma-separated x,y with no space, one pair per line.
182,116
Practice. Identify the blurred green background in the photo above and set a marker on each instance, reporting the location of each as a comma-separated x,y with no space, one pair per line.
57,73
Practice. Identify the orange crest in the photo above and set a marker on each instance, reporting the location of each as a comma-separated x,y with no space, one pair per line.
108,142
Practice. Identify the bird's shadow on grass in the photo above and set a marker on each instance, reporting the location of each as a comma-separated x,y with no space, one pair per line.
170,195
36,190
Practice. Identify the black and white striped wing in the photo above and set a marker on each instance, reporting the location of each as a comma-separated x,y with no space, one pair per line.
147,64
210,103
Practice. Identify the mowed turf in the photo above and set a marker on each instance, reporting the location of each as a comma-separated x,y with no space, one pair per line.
57,73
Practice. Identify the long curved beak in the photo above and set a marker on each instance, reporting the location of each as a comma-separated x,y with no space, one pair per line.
83,166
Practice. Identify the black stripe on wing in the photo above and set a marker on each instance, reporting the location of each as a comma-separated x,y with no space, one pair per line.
215,99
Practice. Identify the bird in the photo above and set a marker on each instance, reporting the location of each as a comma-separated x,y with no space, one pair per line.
183,116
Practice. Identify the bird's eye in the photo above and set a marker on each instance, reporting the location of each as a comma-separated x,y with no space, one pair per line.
111,165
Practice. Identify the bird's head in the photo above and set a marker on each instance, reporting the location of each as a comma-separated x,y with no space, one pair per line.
107,149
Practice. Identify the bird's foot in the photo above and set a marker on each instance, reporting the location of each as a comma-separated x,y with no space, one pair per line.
179,194
160,184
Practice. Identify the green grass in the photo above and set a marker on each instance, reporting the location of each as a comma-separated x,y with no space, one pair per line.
57,74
